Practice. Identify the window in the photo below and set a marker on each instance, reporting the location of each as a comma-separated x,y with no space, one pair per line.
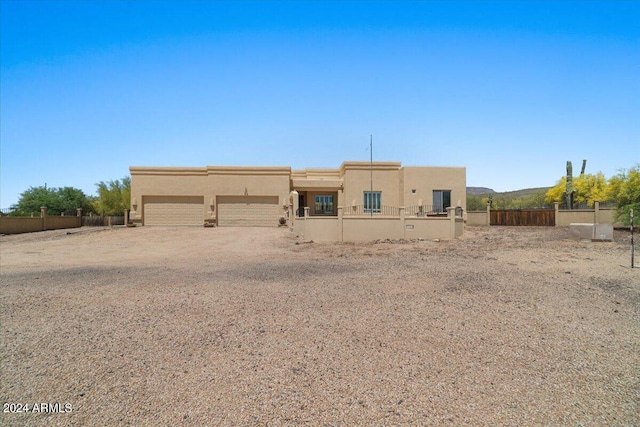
324,205
441,200
373,200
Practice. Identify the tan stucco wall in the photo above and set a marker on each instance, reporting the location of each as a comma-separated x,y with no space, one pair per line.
320,229
17,225
478,218
564,218
607,216
209,182
357,180
347,183
362,229
426,179
431,228
366,229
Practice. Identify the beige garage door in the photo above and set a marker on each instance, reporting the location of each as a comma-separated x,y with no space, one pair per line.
248,211
173,210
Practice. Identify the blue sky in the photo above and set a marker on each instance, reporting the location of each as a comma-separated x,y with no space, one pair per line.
511,90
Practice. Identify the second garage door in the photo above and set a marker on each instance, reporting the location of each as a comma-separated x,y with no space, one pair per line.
173,210
249,211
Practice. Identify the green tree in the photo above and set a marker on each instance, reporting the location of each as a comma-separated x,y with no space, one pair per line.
624,188
113,196
474,203
56,200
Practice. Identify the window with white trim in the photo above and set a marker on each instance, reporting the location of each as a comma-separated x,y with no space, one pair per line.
373,201
324,204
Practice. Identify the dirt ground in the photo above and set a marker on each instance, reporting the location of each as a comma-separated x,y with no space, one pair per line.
229,326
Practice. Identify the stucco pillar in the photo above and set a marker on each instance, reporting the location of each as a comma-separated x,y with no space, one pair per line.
79,212
211,209
295,204
43,215
451,213
596,212
340,227
126,216
556,208
306,212
134,207
488,214
402,223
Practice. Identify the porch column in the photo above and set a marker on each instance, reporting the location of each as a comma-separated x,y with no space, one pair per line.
295,203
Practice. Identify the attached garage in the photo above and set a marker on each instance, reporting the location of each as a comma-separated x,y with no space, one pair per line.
248,211
173,210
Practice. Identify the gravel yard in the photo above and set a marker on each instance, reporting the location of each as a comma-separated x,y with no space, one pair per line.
229,326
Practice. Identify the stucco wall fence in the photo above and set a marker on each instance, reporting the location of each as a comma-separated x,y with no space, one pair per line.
17,225
369,228
597,215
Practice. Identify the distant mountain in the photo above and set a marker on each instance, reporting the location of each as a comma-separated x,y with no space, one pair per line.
484,191
524,192
480,191
519,199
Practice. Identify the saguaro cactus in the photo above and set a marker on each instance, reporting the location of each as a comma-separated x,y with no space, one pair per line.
570,191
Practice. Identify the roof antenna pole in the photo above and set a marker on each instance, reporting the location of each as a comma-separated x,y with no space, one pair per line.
371,170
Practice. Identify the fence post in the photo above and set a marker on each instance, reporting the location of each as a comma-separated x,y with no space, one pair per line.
79,215
596,212
43,215
556,209
451,213
126,217
488,214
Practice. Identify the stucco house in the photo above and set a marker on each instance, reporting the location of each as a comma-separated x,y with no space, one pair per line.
357,201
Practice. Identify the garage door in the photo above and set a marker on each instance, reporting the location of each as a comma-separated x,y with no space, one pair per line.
248,211
173,210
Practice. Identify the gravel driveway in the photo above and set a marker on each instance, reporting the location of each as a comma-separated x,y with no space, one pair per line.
249,326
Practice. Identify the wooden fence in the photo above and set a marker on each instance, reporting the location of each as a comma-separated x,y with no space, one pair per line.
102,221
524,217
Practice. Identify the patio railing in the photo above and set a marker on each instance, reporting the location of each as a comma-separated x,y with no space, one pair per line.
425,210
360,210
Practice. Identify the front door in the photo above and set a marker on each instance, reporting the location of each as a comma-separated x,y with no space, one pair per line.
301,205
